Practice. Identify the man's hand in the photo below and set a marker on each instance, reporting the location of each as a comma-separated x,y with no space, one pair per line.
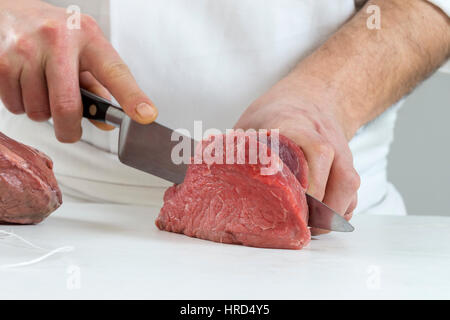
352,78
311,124
43,63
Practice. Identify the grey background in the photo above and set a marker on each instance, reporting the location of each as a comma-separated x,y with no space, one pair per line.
419,162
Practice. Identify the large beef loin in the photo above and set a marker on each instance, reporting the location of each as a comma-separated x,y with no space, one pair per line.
28,189
235,203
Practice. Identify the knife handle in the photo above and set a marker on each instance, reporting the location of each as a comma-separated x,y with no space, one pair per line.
100,109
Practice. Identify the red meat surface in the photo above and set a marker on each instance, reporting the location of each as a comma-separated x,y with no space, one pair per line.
235,203
28,189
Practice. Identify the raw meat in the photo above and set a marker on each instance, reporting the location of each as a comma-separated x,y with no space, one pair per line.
235,203
28,189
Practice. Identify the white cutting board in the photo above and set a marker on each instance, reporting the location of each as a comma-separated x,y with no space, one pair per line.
119,253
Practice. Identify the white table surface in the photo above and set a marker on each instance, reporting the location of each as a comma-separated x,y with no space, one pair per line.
119,253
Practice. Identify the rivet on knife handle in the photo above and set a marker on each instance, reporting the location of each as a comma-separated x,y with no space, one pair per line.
100,109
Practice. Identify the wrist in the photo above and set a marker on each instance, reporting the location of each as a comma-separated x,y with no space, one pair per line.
323,94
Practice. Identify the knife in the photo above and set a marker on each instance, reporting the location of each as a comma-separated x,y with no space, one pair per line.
148,148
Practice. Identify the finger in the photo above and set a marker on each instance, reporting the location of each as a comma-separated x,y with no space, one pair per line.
35,93
343,183
108,68
64,95
349,213
101,125
319,156
88,82
318,231
10,91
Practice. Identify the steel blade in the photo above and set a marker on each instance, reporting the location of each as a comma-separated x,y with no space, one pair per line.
149,148
323,217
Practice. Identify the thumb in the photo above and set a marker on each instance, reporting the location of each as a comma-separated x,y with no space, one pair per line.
108,68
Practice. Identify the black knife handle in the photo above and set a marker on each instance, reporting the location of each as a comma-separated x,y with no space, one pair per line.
95,107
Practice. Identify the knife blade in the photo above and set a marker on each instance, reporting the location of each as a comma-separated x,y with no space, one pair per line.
149,148
323,217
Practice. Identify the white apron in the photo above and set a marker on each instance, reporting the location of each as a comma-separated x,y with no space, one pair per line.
205,60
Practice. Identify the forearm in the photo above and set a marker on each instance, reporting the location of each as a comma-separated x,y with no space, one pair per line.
359,72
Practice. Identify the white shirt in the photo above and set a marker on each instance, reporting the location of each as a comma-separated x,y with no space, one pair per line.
205,60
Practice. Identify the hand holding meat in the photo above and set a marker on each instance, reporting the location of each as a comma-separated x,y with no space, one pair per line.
43,62
314,126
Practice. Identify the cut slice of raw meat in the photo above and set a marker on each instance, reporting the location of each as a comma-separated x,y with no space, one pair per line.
235,203
28,189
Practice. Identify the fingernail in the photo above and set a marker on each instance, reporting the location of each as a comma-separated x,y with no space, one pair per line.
145,112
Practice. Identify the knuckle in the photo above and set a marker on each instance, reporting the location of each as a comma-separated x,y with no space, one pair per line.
116,69
135,97
53,30
38,115
353,179
25,47
324,149
89,24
